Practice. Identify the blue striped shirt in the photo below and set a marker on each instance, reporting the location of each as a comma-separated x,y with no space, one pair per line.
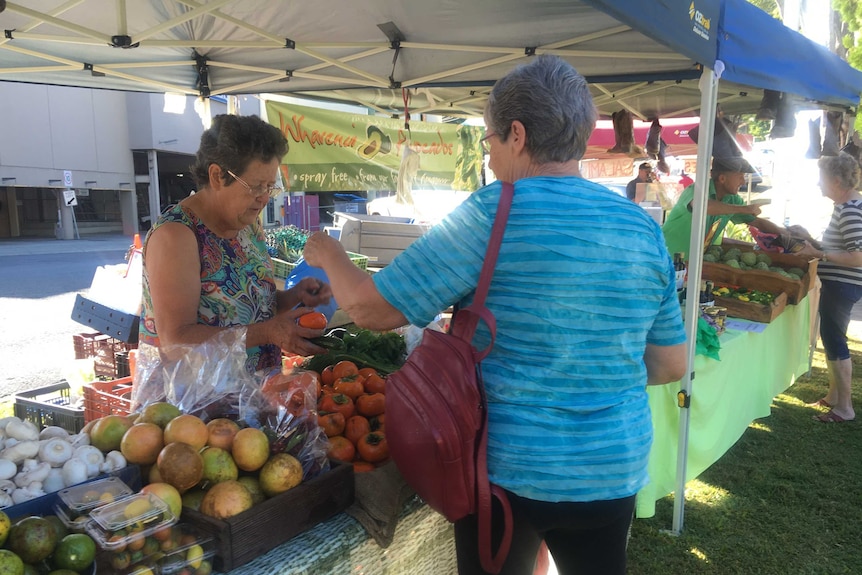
844,234
582,283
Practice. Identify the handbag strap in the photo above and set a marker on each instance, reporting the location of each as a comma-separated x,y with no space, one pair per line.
465,320
464,326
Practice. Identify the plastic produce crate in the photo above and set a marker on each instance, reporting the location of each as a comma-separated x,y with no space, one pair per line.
103,398
110,356
50,405
281,269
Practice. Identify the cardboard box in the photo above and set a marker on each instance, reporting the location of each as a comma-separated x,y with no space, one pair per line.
115,323
753,311
244,537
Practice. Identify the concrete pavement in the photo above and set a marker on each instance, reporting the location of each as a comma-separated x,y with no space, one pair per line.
43,246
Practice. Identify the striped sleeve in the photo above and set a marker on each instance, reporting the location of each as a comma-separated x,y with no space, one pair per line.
850,227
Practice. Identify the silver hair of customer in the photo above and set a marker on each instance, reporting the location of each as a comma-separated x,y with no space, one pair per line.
553,102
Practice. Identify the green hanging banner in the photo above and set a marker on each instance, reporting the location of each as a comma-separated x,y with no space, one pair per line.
337,151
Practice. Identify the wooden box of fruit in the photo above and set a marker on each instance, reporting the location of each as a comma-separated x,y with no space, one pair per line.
753,310
250,534
781,273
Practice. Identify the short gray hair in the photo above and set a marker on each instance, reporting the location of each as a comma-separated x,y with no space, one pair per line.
843,167
553,102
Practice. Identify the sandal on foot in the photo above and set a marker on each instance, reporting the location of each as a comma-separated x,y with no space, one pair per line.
830,417
820,403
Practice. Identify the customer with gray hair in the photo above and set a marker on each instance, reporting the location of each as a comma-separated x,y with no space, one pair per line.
840,271
585,304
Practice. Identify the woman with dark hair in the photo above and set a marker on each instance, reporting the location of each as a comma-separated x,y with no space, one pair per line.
840,271
206,267
585,303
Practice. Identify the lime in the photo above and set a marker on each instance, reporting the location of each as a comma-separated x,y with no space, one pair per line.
10,564
75,552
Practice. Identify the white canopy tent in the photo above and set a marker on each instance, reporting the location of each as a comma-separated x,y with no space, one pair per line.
655,59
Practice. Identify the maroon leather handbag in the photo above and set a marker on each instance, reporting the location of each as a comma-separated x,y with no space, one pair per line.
436,414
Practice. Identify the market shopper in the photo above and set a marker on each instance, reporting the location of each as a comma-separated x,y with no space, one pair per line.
206,267
724,205
644,177
568,418
840,271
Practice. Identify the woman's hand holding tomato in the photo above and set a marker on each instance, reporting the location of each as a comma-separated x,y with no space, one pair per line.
313,320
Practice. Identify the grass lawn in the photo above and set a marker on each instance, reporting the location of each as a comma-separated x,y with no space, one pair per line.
785,500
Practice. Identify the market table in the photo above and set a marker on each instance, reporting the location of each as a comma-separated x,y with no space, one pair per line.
423,543
727,395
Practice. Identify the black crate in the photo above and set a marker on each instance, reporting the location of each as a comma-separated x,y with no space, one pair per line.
117,324
50,405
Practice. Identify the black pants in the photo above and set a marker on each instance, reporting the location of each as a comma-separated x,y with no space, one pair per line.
584,538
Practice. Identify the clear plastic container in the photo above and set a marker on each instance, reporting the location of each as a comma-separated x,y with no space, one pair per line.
128,522
186,547
75,503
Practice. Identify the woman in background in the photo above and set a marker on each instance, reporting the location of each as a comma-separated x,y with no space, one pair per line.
840,271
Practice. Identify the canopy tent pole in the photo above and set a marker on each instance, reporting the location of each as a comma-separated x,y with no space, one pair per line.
708,98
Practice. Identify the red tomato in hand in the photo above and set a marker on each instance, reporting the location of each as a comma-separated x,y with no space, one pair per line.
371,404
340,448
313,320
373,447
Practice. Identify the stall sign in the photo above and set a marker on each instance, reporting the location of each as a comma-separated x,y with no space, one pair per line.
339,151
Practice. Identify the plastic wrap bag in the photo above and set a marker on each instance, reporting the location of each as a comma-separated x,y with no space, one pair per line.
284,406
203,379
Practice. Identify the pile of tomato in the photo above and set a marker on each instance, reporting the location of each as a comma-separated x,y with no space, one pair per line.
350,410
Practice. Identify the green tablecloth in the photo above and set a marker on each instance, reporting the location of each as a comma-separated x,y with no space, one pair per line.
726,396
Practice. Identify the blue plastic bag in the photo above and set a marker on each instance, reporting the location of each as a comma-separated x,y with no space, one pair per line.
303,270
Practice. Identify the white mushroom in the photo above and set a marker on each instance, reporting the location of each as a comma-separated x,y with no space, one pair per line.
53,431
32,474
54,481
8,469
10,441
114,461
20,451
79,440
74,472
56,452
5,500
7,487
4,421
92,457
22,430
27,493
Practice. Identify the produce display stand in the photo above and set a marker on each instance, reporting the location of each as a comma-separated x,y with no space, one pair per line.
423,543
726,397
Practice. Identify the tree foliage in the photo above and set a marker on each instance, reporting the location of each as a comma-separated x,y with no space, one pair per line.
847,29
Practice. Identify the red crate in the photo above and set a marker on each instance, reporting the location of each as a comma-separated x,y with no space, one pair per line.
110,356
103,398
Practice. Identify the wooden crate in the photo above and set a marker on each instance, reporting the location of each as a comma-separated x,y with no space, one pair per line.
751,310
760,280
242,538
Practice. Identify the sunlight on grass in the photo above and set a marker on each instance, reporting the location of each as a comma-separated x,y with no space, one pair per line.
759,426
699,554
704,493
